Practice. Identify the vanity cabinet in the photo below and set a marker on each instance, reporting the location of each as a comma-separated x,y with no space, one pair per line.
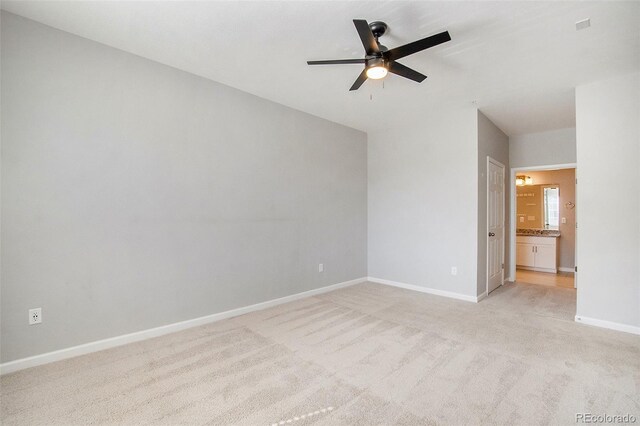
537,253
525,255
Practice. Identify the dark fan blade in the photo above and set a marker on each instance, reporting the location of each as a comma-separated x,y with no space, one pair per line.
337,61
417,46
361,79
369,43
406,72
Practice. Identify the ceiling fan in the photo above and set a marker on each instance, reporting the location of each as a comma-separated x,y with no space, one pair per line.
379,60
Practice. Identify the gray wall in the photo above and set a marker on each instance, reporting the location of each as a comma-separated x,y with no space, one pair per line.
136,195
422,202
494,143
608,200
544,148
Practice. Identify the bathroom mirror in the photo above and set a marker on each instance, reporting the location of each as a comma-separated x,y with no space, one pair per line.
538,206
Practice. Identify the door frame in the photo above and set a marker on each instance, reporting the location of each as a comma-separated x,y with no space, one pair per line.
486,231
513,225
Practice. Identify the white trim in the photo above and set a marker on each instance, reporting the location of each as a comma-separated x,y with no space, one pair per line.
482,296
504,230
532,268
32,361
450,294
513,205
545,168
564,269
608,324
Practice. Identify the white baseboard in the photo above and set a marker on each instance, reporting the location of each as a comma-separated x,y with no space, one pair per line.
547,270
481,296
32,361
428,290
564,269
608,324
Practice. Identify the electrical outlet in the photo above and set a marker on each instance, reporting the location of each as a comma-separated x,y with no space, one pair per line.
321,267
454,270
35,316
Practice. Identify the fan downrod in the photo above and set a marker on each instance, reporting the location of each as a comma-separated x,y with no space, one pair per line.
378,28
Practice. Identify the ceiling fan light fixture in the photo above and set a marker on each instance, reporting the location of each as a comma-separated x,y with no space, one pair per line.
376,72
376,69
378,60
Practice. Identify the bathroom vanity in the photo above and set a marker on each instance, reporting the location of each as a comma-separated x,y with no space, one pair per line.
537,251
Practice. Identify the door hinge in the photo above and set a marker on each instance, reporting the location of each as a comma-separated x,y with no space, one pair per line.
576,269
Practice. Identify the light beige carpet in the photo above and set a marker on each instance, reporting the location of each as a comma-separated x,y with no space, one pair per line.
369,354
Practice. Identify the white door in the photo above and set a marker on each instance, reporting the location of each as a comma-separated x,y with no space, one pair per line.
495,224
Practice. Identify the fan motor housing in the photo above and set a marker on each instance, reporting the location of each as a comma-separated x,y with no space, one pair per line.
378,28
375,62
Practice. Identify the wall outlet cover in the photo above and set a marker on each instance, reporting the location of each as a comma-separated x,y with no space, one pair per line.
35,316
581,25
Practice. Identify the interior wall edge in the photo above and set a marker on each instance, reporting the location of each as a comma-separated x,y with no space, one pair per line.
610,325
428,290
99,345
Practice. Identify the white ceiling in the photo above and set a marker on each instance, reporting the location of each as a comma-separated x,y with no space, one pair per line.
519,61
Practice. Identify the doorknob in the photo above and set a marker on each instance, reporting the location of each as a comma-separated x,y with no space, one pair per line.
492,234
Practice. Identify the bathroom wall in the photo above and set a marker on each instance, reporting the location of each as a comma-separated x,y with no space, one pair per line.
565,179
529,207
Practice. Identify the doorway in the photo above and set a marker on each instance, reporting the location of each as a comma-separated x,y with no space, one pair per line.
543,226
